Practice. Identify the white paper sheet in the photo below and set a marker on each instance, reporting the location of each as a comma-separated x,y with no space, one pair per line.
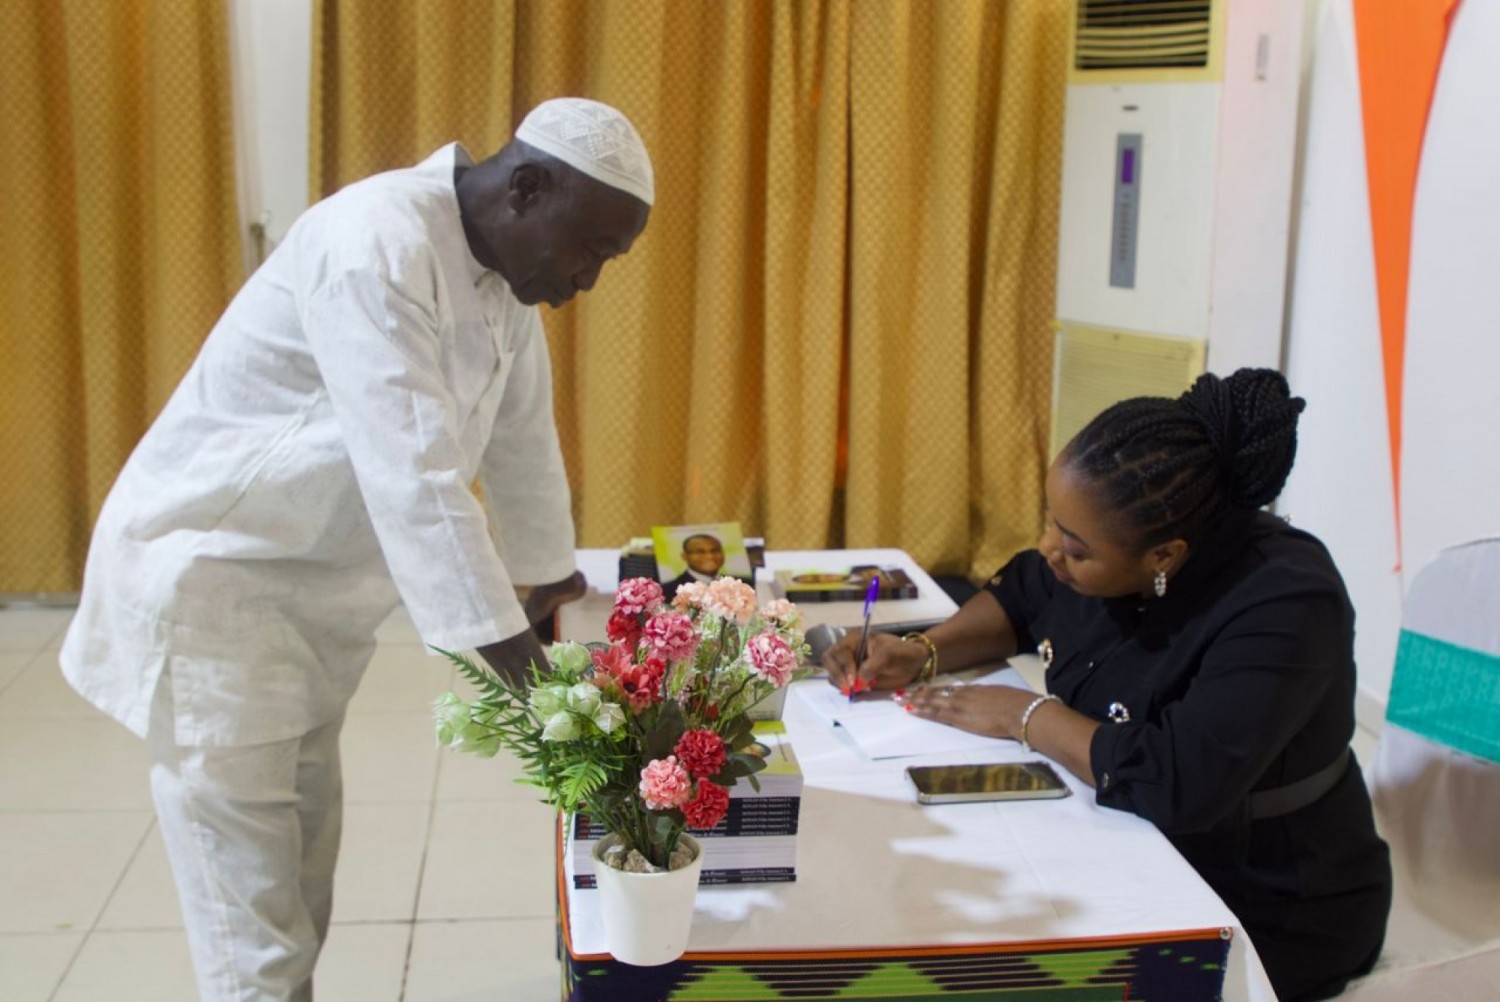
882,728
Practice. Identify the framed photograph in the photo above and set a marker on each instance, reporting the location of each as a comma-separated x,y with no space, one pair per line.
699,553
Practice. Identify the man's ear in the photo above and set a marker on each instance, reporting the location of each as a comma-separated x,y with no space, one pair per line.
528,182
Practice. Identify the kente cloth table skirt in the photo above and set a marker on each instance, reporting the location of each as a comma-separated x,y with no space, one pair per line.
1171,967
1187,969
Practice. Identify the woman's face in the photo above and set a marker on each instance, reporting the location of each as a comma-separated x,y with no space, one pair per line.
1084,548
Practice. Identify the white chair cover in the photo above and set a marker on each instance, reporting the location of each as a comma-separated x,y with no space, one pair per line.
1436,786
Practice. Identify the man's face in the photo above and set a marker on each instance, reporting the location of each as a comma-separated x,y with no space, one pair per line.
703,554
568,233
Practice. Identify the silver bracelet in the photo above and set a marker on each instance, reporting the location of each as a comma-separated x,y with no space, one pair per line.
1026,717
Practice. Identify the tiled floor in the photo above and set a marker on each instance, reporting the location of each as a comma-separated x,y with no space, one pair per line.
443,891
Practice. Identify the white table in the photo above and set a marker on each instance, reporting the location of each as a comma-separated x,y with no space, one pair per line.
875,869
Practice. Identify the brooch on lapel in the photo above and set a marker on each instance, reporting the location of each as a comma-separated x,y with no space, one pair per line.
1119,712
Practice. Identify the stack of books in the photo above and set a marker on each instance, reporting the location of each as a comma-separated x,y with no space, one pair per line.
756,840
842,584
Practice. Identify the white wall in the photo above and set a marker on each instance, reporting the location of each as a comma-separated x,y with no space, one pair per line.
1450,467
271,59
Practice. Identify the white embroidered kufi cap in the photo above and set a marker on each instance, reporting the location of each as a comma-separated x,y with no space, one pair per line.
593,138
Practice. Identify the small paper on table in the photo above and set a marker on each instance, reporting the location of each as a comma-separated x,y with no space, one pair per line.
882,728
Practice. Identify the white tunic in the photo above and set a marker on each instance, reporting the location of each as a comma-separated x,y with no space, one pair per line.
316,464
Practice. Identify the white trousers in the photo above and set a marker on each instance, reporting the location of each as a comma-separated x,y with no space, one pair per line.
253,835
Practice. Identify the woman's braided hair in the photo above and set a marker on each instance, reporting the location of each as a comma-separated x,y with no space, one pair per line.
1171,469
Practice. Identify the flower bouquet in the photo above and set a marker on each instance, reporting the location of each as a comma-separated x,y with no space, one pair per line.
645,734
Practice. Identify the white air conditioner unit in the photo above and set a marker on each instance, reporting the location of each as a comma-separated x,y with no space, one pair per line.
1178,149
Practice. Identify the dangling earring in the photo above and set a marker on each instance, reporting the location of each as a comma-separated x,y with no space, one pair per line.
1159,583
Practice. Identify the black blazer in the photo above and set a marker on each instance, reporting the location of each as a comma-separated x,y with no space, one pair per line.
1240,679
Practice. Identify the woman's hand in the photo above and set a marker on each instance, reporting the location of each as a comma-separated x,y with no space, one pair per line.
1057,731
993,710
889,663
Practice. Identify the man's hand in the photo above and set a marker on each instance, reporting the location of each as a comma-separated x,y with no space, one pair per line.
543,600
513,657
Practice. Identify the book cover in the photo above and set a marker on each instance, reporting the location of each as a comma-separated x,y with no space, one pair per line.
748,859
782,776
841,584
746,816
699,552
638,559
710,878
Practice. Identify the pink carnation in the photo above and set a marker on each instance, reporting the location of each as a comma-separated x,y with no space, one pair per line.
689,596
731,599
708,807
781,612
637,595
701,752
665,784
671,635
771,656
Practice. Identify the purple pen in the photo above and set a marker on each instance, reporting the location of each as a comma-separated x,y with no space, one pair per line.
871,593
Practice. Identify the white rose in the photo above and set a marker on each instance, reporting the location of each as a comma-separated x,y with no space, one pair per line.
608,716
548,699
561,726
569,657
584,698
451,714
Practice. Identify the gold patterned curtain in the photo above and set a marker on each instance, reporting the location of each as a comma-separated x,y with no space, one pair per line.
956,112
118,237
835,329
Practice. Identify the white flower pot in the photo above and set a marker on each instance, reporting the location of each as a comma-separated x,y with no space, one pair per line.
647,916
769,708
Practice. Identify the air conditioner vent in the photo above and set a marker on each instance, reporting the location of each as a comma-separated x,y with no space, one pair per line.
1142,34
1099,366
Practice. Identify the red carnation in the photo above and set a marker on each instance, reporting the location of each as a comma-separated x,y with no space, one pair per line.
708,807
623,629
701,752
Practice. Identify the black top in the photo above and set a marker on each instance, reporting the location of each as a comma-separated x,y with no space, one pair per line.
1240,679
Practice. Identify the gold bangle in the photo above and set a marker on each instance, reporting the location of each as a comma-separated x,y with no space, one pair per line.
928,671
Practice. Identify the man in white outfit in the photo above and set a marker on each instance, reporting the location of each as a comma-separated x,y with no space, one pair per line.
313,470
